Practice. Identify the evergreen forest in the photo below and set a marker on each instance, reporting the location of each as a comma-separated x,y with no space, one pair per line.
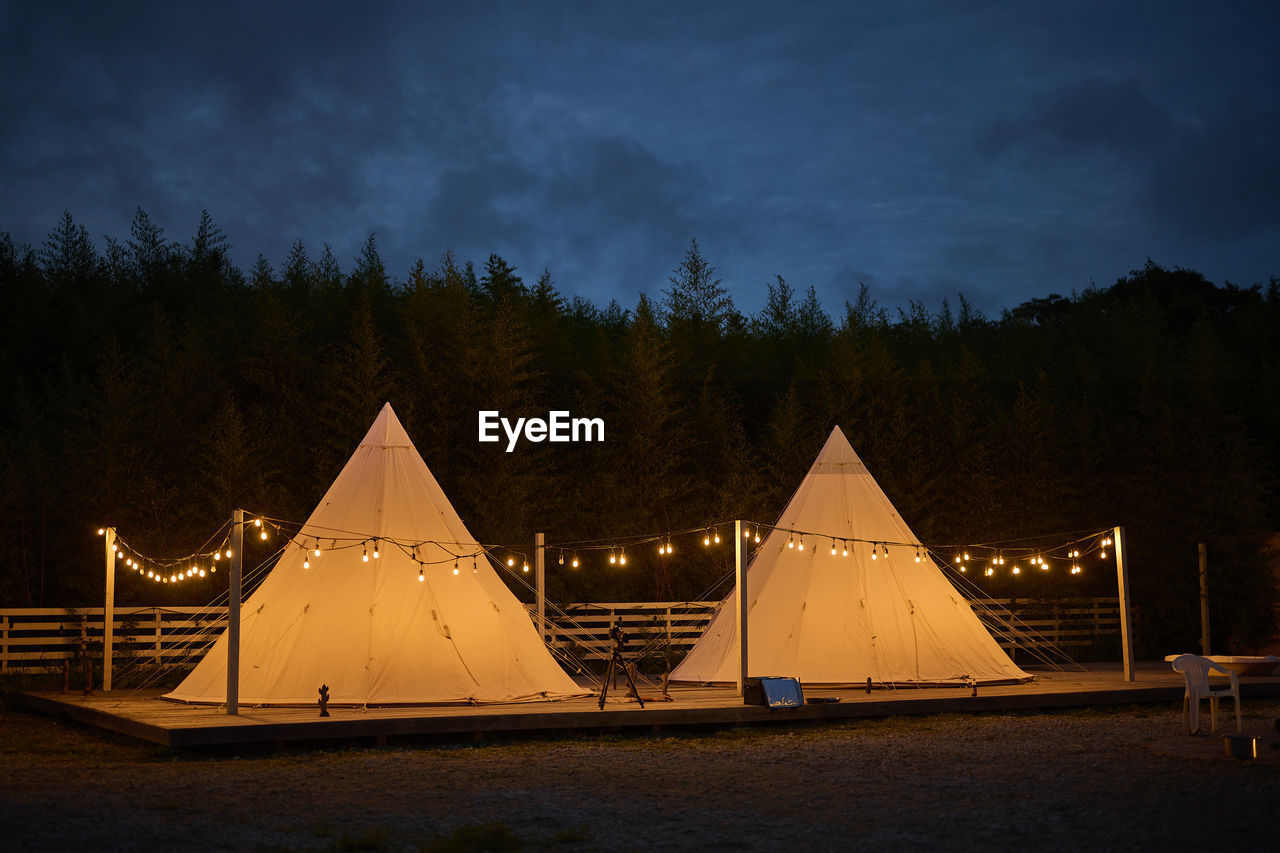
153,385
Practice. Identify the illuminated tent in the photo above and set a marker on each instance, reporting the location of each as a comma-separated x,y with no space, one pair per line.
834,620
372,630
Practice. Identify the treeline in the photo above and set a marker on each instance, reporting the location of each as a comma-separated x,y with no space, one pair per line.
155,386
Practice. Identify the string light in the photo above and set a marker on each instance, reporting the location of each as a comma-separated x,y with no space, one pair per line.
613,558
844,549
511,562
365,555
716,538
833,547
575,561
306,562
801,545
421,577
706,538
317,549
455,568
1016,570
757,536
874,553
791,542
622,556
376,555
525,567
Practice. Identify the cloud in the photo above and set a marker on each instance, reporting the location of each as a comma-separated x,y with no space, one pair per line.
1097,115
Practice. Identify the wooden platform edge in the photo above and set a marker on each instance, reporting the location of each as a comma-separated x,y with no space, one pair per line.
65,709
653,717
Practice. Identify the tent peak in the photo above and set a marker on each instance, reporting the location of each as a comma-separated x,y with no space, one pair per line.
387,431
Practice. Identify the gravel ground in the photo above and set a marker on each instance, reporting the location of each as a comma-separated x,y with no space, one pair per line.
1088,779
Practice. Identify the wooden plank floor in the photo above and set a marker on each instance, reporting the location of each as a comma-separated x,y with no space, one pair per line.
143,715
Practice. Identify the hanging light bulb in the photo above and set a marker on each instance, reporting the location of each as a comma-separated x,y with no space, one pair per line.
791,542
202,573
475,567
1016,570
257,522
613,558
511,561
365,554
421,577
757,536
525,567
746,534
562,558
1103,555
706,538
990,571
716,538
316,552
376,555
966,556
844,549
833,547
455,568
917,555
800,546
150,573
874,550
575,561
217,555
957,559
306,562
622,557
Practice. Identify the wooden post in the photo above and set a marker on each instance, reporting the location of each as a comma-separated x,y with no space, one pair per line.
109,611
740,573
155,614
540,566
233,614
1204,600
4,643
1126,625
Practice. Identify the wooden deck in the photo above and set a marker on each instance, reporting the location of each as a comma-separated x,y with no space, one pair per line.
143,715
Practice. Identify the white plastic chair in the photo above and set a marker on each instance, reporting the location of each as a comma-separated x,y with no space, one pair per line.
1195,669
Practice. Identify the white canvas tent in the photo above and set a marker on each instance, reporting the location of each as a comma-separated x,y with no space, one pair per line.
371,630
840,620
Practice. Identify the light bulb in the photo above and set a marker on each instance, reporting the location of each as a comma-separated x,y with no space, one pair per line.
791,543
511,561
575,561
706,540
562,558
622,558
613,558
102,531
918,558
365,556
257,522
1017,571
317,550
717,537
263,535
874,552
525,568
217,555
202,573
990,571
1103,555
844,549
966,556
957,559
213,569
801,545
964,568
833,547
757,536
421,578
306,563
455,567
746,534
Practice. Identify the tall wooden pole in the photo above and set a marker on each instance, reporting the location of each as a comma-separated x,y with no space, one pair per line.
1126,625
540,566
233,614
740,573
109,611
1204,600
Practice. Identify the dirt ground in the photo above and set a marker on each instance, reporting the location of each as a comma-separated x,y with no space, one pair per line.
1088,779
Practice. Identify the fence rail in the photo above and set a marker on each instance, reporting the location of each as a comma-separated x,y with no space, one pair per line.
33,639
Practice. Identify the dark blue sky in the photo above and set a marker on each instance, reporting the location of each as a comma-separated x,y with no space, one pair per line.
1002,150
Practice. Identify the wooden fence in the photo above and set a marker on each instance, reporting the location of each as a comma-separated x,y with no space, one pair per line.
34,639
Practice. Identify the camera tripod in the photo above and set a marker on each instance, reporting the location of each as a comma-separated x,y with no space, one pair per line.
616,662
